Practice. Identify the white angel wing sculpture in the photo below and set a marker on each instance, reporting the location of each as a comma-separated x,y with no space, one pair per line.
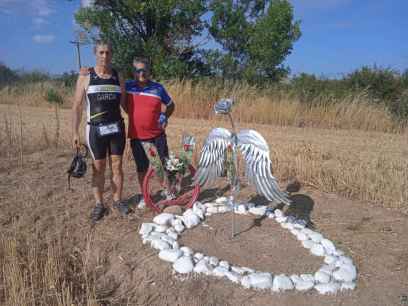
255,151
211,164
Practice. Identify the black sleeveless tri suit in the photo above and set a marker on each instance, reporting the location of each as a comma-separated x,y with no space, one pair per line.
105,131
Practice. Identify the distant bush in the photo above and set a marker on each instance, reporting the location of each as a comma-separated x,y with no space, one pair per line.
7,76
53,97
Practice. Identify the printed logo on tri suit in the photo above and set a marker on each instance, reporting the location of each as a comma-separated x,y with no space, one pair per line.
103,99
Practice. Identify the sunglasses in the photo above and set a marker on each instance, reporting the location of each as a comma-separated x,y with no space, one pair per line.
139,70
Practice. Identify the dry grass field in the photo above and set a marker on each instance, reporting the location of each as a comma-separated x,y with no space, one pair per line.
351,160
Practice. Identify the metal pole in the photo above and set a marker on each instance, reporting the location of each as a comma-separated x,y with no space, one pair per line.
234,180
77,43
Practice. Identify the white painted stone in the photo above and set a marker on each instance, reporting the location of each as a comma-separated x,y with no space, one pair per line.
175,245
307,277
338,252
246,282
186,251
299,224
270,214
191,220
170,255
307,231
304,285
285,225
241,209
258,210
282,283
221,200
199,206
322,277
155,235
278,213
233,276
214,261
173,234
238,270
183,265
219,271
248,270
160,228
224,209
330,259
308,244
212,210
250,205
198,256
301,237
260,280
280,219
203,267
291,219
328,268
328,246
159,244
295,232
199,212
345,273
330,288
163,219
179,228
317,250
346,260
296,278
316,237
146,228
168,239
348,286
224,264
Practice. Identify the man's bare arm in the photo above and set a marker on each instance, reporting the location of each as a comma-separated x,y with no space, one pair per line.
80,88
123,96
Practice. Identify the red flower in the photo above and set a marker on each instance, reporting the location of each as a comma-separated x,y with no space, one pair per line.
187,147
152,152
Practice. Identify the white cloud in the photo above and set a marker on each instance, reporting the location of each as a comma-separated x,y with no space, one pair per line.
43,39
86,3
39,10
39,21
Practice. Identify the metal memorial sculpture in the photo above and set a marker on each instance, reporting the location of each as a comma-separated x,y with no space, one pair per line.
171,175
219,155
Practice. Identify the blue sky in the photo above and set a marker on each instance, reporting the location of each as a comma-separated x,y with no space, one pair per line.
338,37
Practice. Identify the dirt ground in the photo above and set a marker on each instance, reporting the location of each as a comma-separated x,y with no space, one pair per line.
130,273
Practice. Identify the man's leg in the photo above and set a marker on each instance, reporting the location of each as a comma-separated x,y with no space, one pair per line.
115,162
141,161
98,179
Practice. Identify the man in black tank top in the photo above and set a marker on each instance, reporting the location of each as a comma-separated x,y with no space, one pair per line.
105,130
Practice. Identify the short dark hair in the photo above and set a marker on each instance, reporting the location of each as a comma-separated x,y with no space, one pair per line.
101,42
144,61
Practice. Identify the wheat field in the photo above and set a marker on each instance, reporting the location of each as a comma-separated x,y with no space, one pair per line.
351,149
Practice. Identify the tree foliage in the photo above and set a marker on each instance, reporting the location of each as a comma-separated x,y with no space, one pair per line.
255,35
159,30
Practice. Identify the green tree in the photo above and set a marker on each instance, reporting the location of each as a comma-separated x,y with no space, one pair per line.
161,30
7,76
257,36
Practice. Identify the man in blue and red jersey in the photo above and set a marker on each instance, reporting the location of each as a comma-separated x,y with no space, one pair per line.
149,107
